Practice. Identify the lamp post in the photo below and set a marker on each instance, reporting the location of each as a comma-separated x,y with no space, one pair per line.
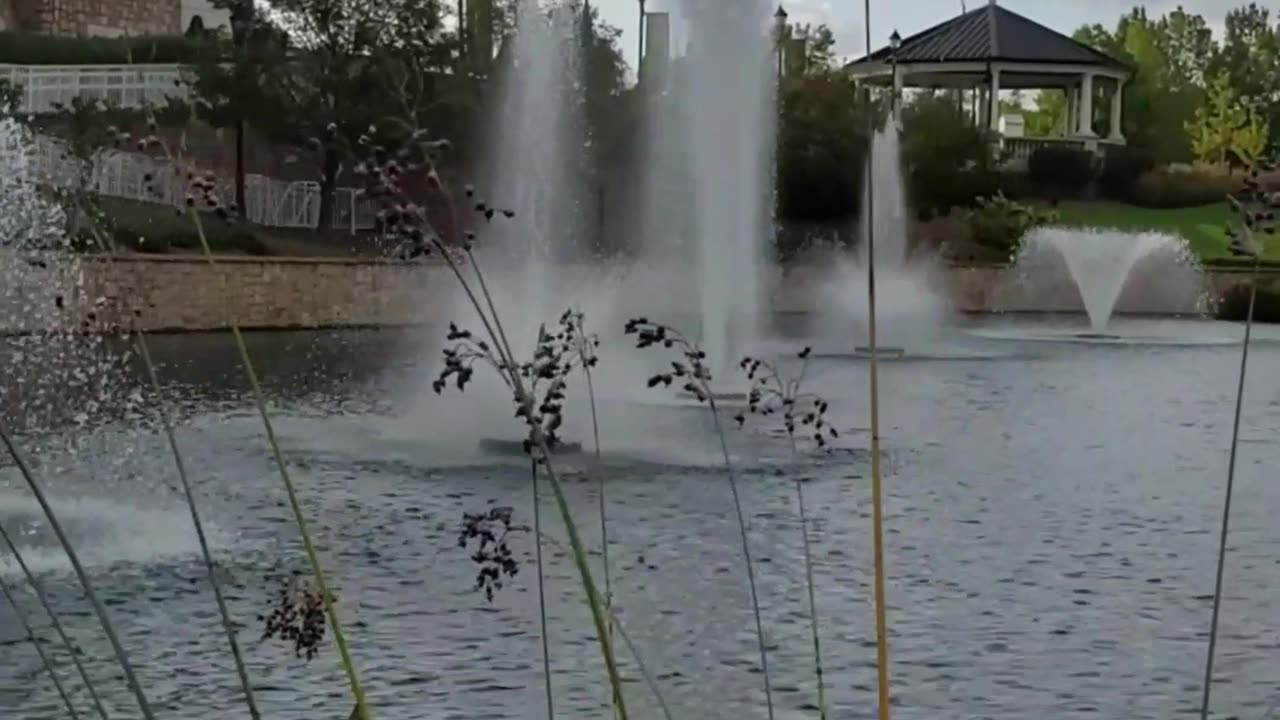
640,45
895,42
780,21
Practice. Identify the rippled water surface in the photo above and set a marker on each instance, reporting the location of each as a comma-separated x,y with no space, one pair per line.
1052,515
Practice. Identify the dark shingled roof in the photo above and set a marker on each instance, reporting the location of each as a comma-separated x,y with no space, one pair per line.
994,33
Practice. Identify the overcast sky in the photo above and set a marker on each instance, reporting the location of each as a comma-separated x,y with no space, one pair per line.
910,16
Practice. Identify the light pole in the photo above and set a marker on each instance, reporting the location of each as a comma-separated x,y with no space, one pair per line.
780,19
640,43
895,42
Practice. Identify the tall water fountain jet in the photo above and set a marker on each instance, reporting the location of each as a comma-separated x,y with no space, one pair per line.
1106,270
536,162
910,312
706,177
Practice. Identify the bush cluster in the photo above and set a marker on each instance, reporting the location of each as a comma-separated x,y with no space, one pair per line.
999,224
1168,189
1066,170
158,229
1234,304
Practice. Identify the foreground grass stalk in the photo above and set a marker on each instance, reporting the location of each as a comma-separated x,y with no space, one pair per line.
746,550
224,613
877,500
43,599
99,609
813,603
604,518
1226,506
35,642
166,420
493,327
295,505
542,589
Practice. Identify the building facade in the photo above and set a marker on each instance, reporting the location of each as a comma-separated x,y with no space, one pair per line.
100,18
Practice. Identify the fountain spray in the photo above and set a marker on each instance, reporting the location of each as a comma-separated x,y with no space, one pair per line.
877,504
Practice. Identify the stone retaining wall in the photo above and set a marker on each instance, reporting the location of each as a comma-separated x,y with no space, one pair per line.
169,293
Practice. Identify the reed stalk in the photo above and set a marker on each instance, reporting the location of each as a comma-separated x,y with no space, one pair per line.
122,657
542,591
1226,505
166,421
295,504
508,368
38,590
35,642
697,380
877,499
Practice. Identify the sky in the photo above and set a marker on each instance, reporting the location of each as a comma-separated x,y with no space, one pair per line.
844,17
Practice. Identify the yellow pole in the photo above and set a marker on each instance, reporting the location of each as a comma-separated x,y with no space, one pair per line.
877,509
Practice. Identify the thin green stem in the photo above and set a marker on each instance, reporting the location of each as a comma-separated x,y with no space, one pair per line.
295,505
35,642
542,592
1226,505
493,326
224,613
813,603
38,590
166,421
99,609
604,518
746,548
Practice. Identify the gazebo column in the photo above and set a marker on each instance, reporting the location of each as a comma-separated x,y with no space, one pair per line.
993,110
1070,92
1117,113
1084,127
899,77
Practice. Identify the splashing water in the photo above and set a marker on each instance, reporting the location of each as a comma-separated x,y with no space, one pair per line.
910,312
706,179
1150,271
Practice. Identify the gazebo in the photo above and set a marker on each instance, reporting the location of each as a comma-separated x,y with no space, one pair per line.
990,49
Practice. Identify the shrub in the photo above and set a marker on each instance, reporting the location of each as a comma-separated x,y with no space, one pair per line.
821,149
1066,169
999,224
1234,304
947,160
141,227
22,48
1121,168
1167,189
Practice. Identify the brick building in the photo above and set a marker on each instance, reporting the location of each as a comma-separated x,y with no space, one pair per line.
107,18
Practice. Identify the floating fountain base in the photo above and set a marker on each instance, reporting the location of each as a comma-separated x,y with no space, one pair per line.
886,353
720,397
501,446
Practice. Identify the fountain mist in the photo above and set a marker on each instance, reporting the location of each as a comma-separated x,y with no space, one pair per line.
1107,270
707,214
910,312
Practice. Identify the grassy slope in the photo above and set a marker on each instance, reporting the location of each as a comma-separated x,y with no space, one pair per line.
1201,226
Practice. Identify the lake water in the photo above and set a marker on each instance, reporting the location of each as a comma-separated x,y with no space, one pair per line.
1052,519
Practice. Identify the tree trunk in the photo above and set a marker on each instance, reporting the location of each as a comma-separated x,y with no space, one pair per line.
240,199
328,183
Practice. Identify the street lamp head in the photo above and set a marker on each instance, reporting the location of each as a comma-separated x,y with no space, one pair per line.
780,15
895,41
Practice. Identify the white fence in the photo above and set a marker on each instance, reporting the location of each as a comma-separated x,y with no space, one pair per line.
135,176
268,201
46,86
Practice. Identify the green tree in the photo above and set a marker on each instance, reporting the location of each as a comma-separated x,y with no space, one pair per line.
1250,56
821,137
1219,126
349,65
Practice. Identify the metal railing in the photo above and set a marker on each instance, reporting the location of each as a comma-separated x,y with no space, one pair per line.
45,87
135,176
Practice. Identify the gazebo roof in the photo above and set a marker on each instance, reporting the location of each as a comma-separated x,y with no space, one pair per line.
993,33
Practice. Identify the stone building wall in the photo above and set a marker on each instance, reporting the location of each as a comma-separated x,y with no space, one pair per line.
109,18
171,293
